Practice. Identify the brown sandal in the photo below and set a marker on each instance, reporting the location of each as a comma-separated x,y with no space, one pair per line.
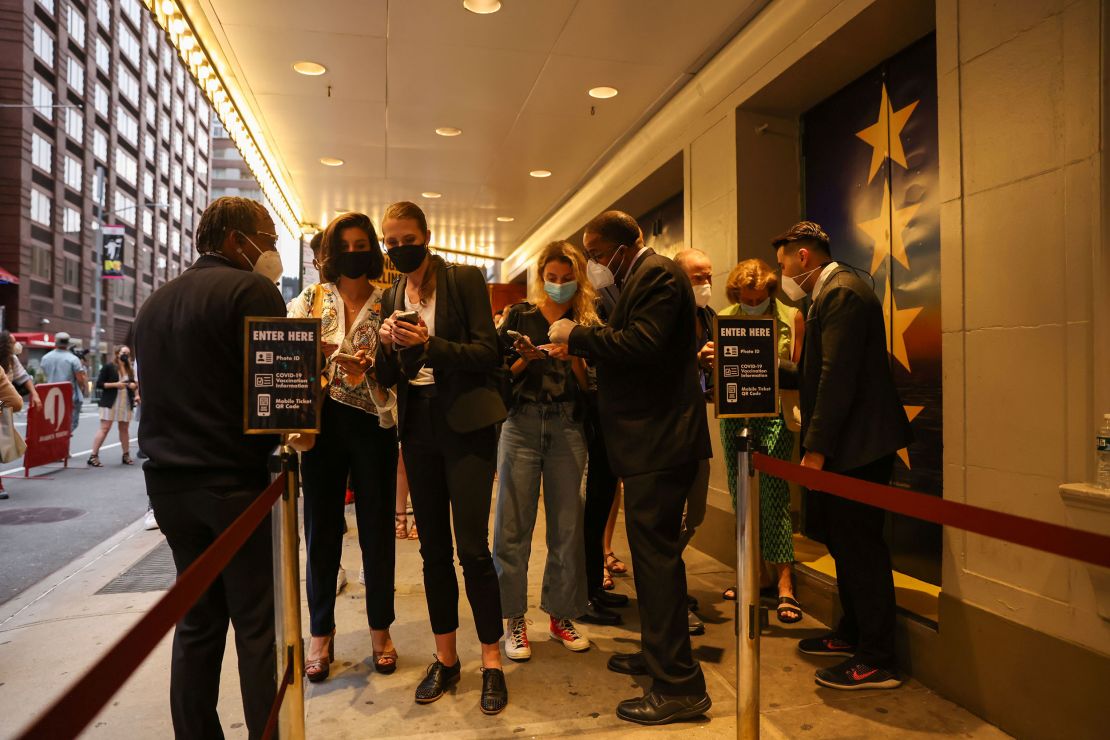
126,459
317,670
385,661
412,530
94,461
401,525
607,580
614,564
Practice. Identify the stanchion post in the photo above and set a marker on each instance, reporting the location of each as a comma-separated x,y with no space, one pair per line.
747,594
291,719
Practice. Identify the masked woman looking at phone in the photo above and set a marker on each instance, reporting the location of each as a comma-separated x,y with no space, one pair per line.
357,442
440,348
544,436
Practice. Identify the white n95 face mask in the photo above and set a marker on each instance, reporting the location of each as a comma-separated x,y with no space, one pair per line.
758,309
702,294
599,275
268,264
790,286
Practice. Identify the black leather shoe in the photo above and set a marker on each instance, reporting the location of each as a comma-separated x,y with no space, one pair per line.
495,694
630,664
692,602
608,599
597,614
657,709
438,680
694,625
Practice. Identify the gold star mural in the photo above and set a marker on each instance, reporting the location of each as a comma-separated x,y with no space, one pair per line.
898,320
885,135
888,240
911,412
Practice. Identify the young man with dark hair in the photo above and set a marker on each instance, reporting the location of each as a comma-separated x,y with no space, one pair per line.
853,423
202,471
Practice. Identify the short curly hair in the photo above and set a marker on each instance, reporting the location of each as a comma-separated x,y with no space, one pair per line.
755,274
224,215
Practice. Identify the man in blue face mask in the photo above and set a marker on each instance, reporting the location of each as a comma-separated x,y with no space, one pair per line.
652,415
853,423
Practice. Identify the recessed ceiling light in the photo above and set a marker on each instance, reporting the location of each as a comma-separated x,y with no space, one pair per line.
504,219
540,173
603,92
431,194
312,69
331,161
482,7
448,131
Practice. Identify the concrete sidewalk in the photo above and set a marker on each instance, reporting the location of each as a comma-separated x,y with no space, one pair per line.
54,631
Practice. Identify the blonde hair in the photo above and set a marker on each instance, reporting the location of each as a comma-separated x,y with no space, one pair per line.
754,274
585,298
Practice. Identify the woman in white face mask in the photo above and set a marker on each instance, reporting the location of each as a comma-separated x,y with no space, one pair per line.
751,287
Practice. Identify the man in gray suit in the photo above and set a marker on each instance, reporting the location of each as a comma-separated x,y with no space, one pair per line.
853,423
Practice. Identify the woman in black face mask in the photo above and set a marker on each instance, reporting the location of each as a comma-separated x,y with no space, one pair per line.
440,348
118,394
356,442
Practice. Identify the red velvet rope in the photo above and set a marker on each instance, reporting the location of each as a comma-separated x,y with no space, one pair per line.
73,711
271,723
1076,544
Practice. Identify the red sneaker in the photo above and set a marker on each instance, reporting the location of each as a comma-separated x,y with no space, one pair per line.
350,498
565,632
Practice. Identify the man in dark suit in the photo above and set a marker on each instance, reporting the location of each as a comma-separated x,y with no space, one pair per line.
653,417
853,423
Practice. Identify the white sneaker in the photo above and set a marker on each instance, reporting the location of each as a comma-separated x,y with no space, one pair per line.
149,522
362,576
517,646
565,632
340,580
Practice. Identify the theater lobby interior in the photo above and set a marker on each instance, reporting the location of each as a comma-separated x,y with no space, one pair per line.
954,150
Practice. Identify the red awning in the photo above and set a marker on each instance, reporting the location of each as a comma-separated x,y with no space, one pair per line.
35,339
6,278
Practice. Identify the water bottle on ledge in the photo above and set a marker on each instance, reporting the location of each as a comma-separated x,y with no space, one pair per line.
1103,453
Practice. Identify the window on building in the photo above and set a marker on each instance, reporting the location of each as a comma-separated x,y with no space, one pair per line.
148,185
167,59
178,144
128,44
152,34
41,207
72,275
74,174
103,55
104,13
148,147
175,242
75,22
127,126
75,124
179,77
151,110
175,176
202,144
163,162
75,75
202,169
165,126
43,98
42,153
44,44
126,167
99,188
175,208
48,4
132,10
100,100
71,220
178,110
42,262
128,85
123,208
162,239
148,222
100,145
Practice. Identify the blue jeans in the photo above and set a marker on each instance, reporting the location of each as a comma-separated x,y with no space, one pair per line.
541,441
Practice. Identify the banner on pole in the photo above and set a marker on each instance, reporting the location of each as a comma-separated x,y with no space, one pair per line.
111,251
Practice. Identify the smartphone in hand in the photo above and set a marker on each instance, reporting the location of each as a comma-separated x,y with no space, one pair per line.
408,317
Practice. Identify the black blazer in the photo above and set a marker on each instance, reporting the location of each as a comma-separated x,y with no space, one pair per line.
109,373
851,412
463,353
651,406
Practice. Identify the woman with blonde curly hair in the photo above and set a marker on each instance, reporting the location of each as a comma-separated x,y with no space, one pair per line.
544,437
751,286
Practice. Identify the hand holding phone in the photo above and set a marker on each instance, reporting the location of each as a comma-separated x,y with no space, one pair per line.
408,317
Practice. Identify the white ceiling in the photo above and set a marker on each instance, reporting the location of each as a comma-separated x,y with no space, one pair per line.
514,81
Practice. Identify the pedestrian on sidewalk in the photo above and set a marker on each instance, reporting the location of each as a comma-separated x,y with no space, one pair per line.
851,432
357,442
203,472
543,440
118,396
60,365
9,399
439,347
17,374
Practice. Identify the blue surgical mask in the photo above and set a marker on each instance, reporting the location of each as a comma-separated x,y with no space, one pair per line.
560,292
756,310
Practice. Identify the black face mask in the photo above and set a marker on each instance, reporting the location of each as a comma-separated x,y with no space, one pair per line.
354,264
408,257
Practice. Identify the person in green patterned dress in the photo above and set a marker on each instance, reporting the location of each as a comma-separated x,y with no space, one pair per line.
751,286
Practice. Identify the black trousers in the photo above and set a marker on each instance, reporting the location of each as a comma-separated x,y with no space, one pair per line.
601,489
863,574
242,594
351,446
653,504
451,480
